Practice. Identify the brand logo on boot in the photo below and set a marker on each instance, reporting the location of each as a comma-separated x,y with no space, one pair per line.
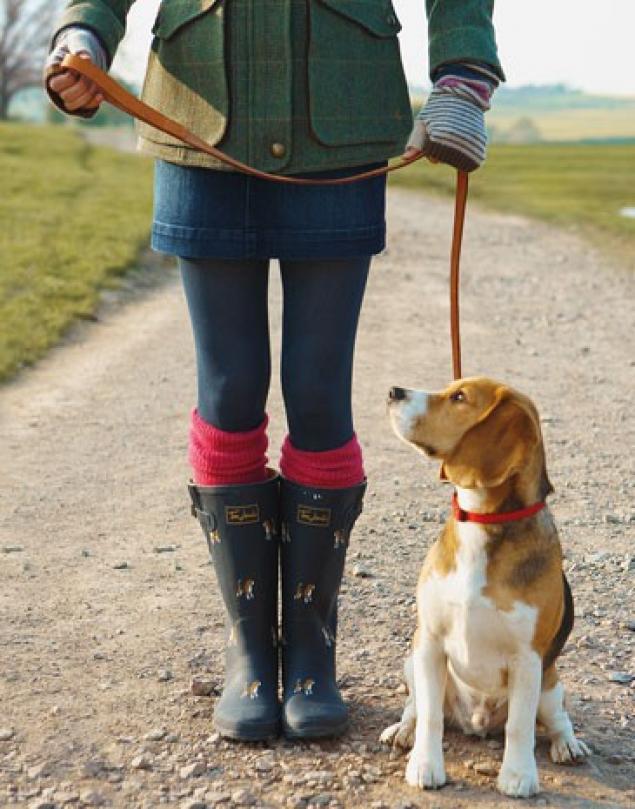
242,515
320,517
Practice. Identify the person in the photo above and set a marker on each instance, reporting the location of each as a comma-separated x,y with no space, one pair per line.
314,88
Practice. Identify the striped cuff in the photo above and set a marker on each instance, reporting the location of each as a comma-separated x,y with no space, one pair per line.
468,70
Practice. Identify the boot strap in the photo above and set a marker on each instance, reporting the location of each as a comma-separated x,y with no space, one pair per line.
207,521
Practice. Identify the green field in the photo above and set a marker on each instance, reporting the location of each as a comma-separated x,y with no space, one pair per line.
74,218
555,113
569,125
573,185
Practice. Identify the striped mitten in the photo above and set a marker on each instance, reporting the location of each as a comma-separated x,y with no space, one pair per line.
450,127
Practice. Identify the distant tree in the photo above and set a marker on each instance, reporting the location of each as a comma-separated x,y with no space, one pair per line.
493,133
25,31
54,116
524,130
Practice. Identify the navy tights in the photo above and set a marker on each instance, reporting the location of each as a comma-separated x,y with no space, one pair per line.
322,298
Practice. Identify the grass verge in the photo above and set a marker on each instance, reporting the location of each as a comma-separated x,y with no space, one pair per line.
568,185
74,218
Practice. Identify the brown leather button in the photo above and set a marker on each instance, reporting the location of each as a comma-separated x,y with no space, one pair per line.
278,149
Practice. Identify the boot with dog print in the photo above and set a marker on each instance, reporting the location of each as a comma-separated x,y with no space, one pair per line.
315,529
240,525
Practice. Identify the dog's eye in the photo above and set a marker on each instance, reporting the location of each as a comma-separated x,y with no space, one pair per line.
457,396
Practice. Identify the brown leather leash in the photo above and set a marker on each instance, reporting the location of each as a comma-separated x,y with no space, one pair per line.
460,203
120,98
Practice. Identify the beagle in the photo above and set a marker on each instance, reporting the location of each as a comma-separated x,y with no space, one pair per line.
494,609
304,592
252,689
245,587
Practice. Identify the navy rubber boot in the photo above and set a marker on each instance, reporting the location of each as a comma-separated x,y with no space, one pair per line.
240,525
315,530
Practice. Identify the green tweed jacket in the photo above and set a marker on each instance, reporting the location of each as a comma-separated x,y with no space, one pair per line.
286,85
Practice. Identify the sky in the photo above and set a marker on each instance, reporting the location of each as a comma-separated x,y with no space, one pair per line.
587,44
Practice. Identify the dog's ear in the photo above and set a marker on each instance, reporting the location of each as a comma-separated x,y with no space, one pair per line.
494,449
545,484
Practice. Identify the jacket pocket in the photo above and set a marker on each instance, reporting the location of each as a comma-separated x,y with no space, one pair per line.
357,88
174,14
185,76
376,16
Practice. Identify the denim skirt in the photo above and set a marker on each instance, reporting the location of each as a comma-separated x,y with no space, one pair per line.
206,213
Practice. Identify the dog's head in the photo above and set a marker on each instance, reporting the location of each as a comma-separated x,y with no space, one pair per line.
482,431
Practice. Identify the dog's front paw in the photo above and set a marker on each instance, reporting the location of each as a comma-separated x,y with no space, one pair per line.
425,773
401,734
565,747
518,782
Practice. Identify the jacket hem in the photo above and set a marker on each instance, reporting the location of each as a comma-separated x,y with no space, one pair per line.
183,155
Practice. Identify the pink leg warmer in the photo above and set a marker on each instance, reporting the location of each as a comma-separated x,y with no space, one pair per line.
332,469
219,458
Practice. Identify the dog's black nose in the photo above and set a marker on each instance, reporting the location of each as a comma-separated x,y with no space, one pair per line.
396,394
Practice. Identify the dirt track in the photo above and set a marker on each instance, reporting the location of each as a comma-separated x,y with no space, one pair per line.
95,655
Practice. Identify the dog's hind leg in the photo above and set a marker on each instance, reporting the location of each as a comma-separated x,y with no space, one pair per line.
551,712
402,733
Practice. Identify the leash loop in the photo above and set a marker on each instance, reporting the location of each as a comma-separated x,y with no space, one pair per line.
120,98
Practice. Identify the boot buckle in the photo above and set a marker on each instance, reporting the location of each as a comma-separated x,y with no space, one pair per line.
208,525
196,503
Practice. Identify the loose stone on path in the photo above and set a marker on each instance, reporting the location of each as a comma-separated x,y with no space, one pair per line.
621,677
192,770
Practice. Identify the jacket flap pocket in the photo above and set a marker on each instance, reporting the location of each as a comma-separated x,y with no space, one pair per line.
376,16
175,13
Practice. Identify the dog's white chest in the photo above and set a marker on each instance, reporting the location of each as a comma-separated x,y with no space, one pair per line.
478,637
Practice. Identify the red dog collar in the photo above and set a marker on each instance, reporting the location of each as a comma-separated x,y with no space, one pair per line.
460,515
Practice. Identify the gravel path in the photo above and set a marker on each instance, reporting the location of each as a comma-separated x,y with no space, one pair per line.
108,608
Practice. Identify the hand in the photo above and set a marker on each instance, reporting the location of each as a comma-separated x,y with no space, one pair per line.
71,92
450,128
77,92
